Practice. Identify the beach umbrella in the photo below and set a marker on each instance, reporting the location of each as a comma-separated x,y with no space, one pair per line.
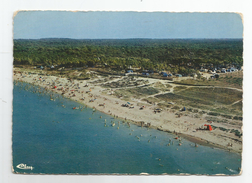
55,86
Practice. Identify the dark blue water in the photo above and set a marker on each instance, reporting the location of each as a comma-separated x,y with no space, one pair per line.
56,139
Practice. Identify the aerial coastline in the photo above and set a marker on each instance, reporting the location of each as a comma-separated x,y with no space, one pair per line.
95,94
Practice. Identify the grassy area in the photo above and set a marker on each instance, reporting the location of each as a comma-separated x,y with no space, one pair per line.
236,132
233,80
216,119
178,88
198,82
162,87
213,95
237,106
137,92
164,105
182,99
126,82
217,101
151,100
227,110
144,90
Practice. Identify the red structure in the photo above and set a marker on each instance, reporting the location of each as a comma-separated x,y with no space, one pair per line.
208,127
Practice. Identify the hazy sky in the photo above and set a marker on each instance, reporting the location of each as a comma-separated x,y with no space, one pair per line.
122,25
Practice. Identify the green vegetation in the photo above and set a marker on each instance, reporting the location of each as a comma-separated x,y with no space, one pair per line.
234,80
213,95
151,100
237,118
179,56
227,110
144,91
136,92
198,82
179,88
162,87
236,132
238,106
227,116
213,113
126,82
213,101
164,105
176,107
224,129
216,119
182,99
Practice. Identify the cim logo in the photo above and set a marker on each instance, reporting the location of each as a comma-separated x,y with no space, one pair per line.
24,167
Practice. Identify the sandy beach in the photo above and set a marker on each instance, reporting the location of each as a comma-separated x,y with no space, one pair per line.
92,94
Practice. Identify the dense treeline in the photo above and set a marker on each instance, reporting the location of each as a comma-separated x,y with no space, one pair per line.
154,54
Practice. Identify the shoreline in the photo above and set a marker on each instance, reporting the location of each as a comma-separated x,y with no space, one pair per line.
132,115
197,140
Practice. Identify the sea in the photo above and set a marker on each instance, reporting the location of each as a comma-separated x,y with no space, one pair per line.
50,137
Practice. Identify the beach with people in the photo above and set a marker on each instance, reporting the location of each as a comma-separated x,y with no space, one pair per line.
140,100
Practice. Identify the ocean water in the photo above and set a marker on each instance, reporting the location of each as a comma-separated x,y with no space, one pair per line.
55,139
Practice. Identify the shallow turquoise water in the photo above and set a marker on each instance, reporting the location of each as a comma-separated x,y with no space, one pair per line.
58,140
